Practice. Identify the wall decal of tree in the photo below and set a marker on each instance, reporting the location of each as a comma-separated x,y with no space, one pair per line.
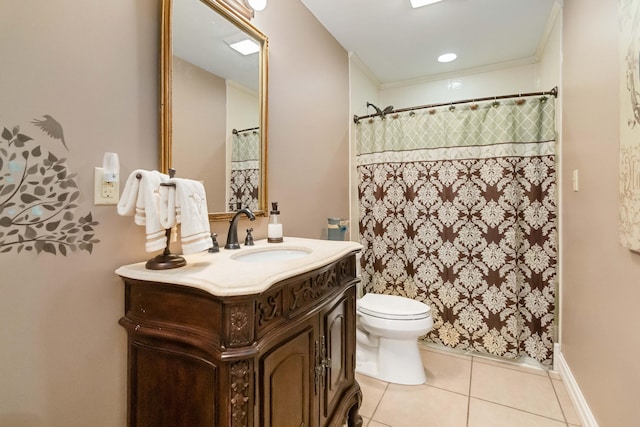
38,197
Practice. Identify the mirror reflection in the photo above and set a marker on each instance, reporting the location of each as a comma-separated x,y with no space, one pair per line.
214,106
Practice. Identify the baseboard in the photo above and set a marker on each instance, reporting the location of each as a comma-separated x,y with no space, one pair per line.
577,398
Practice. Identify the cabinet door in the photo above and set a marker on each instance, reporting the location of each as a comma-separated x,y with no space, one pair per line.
169,389
338,335
287,380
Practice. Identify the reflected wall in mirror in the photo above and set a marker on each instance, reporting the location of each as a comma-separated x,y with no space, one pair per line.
213,104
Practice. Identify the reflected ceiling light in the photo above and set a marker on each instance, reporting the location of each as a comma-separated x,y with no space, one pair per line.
447,57
246,47
454,84
419,3
257,5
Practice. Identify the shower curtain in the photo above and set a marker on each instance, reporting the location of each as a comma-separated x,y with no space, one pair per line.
245,174
458,210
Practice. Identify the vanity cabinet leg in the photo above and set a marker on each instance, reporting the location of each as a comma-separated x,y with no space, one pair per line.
354,418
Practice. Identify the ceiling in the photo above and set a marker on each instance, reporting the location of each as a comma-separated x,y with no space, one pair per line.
398,43
194,21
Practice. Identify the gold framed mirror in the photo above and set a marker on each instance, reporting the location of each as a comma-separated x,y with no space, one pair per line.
213,104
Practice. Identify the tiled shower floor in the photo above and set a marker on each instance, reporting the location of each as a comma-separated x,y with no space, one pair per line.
469,391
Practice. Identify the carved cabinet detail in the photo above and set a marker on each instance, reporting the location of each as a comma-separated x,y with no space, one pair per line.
284,357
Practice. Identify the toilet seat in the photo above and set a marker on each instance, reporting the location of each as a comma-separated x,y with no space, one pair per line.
392,307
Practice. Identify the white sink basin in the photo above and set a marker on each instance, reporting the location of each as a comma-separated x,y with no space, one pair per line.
271,254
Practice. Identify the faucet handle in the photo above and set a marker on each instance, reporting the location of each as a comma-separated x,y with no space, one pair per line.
216,246
248,241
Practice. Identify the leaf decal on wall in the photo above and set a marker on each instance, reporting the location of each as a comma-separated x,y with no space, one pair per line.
28,198
6,190
51,226
23,138
37,195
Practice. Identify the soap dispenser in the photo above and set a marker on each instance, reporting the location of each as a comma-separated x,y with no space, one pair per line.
274,229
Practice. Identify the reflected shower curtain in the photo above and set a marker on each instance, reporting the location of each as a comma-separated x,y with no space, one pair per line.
245,170
458,210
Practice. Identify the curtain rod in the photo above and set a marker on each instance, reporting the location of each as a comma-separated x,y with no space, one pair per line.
235,131
553,92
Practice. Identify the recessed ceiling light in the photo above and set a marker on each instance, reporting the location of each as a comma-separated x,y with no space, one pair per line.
258,4
419,3
246,47
447,57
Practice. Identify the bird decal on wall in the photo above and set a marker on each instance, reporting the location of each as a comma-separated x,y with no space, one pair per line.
52,128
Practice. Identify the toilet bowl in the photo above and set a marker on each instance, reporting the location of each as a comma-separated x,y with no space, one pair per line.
388,328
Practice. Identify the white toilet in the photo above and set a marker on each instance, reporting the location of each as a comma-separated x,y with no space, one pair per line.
388,328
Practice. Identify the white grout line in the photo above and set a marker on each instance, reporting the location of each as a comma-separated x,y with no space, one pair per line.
564,416
373,414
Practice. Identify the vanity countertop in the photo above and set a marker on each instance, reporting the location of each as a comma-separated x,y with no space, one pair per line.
222,274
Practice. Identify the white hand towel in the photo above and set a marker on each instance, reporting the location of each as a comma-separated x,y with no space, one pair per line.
186,204
140,198
167,207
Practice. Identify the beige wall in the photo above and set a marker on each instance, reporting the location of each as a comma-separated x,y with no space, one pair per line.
199,103
308,160
600,280
93,66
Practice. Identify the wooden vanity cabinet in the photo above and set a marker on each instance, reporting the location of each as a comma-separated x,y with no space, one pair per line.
283,357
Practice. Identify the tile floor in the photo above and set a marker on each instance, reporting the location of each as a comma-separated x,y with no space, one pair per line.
469,391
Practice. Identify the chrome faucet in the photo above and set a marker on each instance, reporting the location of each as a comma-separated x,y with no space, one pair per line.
232,235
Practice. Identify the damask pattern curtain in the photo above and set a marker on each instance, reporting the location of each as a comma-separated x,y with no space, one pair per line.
245,174
458,210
